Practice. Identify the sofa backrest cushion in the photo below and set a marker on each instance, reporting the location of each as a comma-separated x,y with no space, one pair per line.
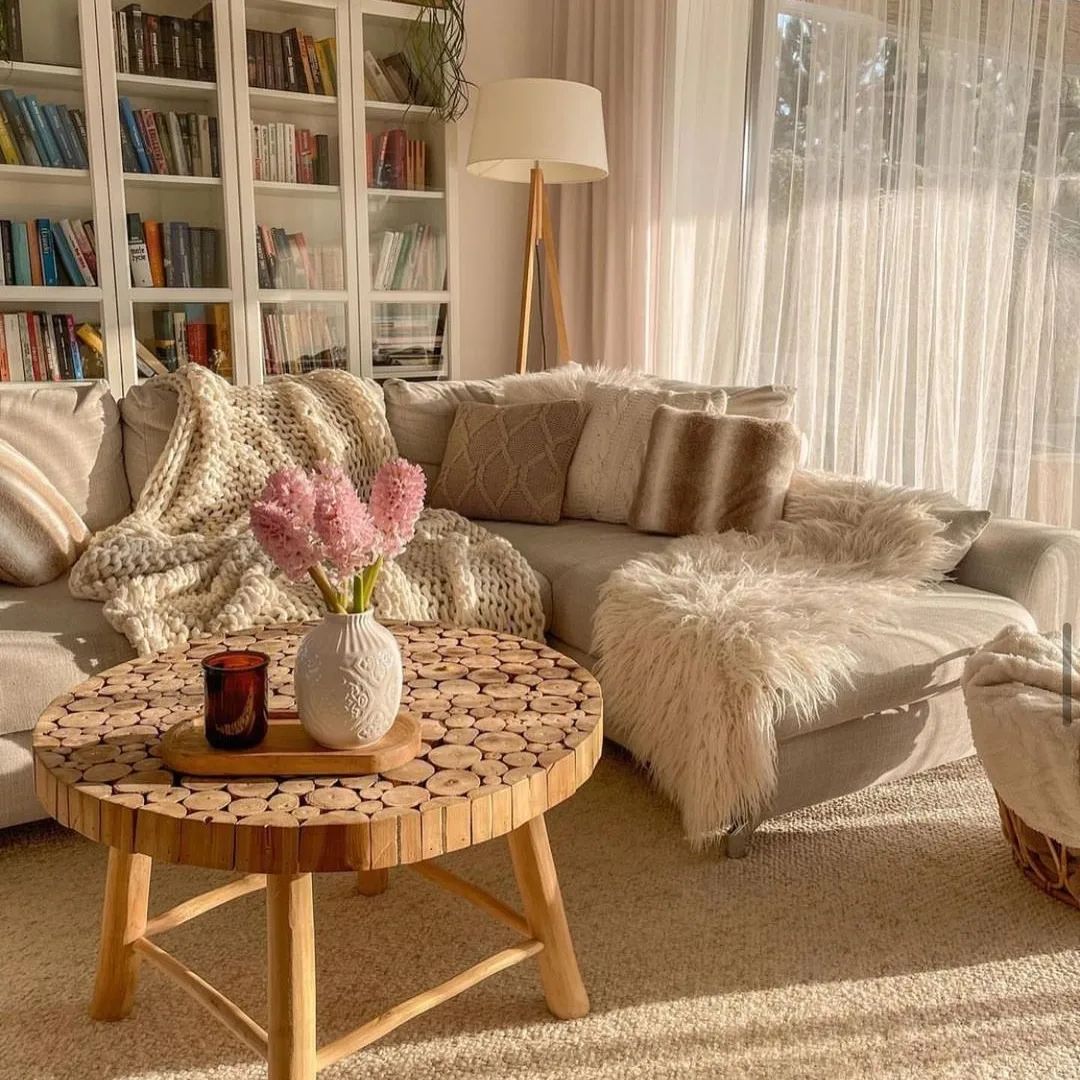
148,411
71,432
712,473
41,535
509,462
764,402
606,467
421,415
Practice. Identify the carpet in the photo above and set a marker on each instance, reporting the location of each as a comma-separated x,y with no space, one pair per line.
887,934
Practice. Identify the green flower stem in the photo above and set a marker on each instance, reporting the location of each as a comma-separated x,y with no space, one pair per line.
357,593
370,576
329,593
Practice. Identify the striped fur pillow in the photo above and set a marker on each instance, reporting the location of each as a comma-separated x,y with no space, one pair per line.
41,534
712,473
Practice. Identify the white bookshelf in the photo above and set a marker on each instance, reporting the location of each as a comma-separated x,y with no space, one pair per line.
70,59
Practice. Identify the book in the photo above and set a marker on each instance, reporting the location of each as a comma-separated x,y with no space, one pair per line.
149,363
34,244
47,147
9,148
155,251
49,271
85,246
11,17
138,255
20,253
65,254
83,275
5,371
129,123
374,73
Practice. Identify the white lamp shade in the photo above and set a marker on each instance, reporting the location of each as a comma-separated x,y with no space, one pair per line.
522,122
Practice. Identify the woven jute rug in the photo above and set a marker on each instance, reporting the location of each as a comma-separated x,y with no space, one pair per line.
887,934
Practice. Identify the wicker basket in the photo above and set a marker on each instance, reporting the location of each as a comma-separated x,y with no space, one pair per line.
1047,862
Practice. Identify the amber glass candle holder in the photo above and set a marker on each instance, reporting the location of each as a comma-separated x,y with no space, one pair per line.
235,699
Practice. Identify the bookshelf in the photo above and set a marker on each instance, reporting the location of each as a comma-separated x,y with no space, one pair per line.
327,306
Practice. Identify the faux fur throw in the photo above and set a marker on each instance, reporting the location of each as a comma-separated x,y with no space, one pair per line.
705,645
185,563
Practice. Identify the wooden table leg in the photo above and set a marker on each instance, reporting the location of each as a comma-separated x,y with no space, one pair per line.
372,882
538,884
123,920
290,930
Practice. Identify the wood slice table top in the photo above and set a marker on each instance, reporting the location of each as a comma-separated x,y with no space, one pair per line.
510,728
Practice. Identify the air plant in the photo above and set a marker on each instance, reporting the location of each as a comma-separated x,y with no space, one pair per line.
435,47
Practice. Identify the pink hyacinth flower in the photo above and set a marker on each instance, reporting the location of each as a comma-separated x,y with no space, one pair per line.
341,520
397,497
285,539
293,491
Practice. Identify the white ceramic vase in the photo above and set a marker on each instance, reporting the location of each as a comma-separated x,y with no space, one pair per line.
348,681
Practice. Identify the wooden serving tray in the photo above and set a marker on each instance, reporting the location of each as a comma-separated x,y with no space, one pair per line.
288,750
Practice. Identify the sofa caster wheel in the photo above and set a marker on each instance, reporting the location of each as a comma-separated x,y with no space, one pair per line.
738,838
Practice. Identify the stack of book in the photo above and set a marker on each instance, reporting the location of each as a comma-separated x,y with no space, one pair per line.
190,334
164,45
396,161
407,335
299,341
38,346
289,154
44,252
287,261
11,21
36,134
412,259
169,144
292,61
172,254
394,78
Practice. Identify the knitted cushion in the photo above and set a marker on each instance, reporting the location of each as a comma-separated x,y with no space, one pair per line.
509,462
712,473
606,466
41,535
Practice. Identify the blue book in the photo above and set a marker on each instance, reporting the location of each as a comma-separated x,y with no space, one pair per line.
56,129
128,117
49,274
19,125
20,253
68,122
46,144
66,255
73,348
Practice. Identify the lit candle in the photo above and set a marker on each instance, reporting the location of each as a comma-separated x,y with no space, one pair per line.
235,697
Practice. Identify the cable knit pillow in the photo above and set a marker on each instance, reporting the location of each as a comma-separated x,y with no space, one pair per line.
509,462
606,466
712,473
41,534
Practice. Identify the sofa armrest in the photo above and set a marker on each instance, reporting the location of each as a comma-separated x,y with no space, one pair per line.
1036,565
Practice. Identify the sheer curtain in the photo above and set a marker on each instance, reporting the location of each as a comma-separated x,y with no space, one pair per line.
912,245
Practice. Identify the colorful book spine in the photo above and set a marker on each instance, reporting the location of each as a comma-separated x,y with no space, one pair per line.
49,271
47,145
17,125
9,148
20,253
65,253
141,155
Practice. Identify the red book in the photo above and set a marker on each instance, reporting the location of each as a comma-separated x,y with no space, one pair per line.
153,142
5,367
155,252
198,343
36,355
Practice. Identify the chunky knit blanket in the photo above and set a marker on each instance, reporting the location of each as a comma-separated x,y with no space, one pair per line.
185,563
704,646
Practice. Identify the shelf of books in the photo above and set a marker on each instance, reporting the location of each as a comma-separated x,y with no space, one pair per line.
57,307
409,166
294,109
169,120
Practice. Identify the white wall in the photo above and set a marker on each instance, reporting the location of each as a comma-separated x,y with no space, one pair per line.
506,39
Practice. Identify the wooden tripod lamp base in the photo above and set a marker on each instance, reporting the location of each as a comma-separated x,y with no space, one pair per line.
540,234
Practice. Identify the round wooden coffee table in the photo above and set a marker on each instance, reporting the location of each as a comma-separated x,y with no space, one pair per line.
510,728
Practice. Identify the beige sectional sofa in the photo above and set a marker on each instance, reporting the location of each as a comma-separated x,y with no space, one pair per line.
903,714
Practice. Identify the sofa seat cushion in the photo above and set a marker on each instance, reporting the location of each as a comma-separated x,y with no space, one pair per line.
919,656
49,641
576,558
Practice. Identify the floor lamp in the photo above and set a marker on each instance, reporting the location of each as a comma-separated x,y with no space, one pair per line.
539,132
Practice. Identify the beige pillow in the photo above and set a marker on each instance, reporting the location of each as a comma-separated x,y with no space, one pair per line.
148,411
509,462
712,473
606,467
764,402
421,414
71,432
41,535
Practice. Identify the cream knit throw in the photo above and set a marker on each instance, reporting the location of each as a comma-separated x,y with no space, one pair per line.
705,645
185,563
